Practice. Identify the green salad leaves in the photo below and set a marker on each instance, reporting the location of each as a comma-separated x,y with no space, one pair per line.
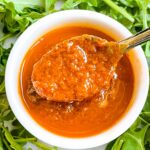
17,15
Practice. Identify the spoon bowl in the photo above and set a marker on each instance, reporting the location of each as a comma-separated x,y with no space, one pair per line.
81,67
76,69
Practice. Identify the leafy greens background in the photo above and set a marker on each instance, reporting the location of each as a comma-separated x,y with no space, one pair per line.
17,15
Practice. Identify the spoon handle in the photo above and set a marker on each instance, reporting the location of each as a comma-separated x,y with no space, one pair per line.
135,40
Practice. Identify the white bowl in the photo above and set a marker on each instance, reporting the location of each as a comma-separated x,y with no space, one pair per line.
55,20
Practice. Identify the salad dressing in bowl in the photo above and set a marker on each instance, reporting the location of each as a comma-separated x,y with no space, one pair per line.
75,118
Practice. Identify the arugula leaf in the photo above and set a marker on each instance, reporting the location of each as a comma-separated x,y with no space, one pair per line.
49,5
128,3
147,139
143,6
134,138
5,143
147,104
11,140
70,4
3,107
21,4
119,9
3,58
110,145
18,15
1,142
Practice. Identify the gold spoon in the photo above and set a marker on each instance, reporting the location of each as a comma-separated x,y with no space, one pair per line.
81,67
135,40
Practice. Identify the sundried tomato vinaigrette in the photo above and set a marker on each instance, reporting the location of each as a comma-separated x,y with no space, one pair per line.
76,119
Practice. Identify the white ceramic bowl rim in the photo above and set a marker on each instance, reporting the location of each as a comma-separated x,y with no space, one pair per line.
13,67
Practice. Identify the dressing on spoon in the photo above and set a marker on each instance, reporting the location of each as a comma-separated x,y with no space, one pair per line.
81,67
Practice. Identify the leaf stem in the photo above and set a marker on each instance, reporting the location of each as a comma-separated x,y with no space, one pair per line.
2,86
142,119
145,25
5,37
6,143
22,140
43,146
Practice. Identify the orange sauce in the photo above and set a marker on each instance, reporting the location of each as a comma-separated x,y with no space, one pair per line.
77,119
